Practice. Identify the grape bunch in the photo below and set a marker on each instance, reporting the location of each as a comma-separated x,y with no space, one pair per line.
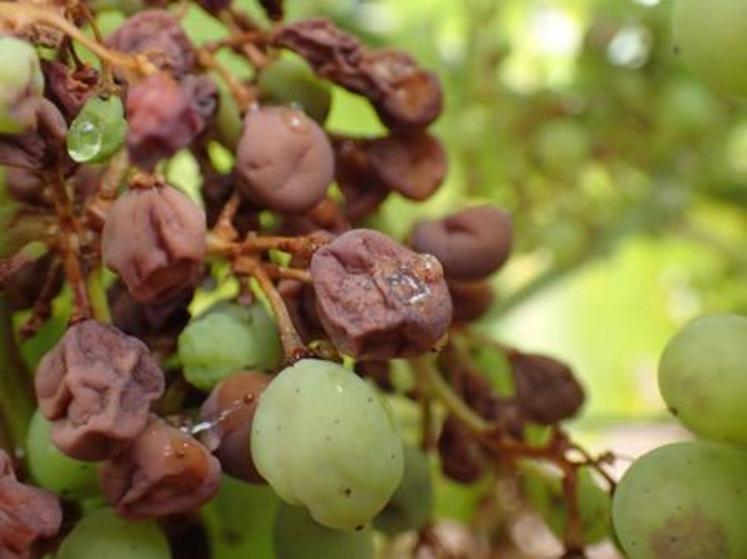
687,499
229,368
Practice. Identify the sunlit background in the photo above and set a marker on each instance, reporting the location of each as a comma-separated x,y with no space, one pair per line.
626,177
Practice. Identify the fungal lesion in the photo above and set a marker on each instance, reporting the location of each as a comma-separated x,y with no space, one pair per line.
690,536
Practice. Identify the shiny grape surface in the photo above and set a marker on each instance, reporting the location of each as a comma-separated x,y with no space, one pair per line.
323,440
21,80
684,501
703,377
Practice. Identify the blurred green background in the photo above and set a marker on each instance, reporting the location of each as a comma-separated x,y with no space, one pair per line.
625,174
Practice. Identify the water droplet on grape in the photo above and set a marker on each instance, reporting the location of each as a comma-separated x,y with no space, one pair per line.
85,140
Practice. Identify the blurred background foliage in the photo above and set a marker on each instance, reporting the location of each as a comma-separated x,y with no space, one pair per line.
625,174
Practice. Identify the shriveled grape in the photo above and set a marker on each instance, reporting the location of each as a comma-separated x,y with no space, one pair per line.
316,416
685,501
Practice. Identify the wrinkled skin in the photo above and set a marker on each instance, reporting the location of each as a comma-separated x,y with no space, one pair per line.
361,186
40,147
412,164
284,160
154,238
96,386
229,411
25,286
470,300
165,471
26,514
158,35
69,87
546,390
471,244
378,299
162,118
404,95
462,459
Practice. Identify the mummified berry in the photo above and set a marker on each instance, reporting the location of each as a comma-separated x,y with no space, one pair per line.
26,514
378,371
378,299
202,94
471,244
462,459
162,120
404,95
41,146
24,287
96,386
546,390
284,160
165,471
229,410
412,164
158,35
154,238
362,187
470,300
69,87
300,300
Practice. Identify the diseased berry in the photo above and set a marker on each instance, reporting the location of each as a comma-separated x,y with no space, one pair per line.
163,118
165,471
470,300
284,161
69,87
546,390
158,35
26,514
470,245
462,459
96,386
154,238
378,299
229,410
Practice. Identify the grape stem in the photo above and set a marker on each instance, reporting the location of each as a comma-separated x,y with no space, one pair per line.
243,96
43,305
20,15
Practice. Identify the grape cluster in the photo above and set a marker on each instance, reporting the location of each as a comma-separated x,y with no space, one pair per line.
687,499
254,325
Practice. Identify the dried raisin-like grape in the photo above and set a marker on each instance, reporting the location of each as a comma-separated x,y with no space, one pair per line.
162,117
96,386
165,471
284,160
546,389
26,514
362,188
378,299
462,459
412,164
300,301
154,237
470,300
202,94
471,244
158,35
378,371
69,87
229,411
24,287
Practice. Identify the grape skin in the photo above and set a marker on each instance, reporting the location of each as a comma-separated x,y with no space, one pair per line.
703,377
322,439
51,469
684,501
20,77
712,37
102,534
297,536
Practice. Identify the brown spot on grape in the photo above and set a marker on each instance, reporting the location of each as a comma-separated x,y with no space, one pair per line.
691,536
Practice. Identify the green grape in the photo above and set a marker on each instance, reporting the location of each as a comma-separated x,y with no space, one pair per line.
228,120
322,439
98,131
297,536
51,469
102,533
712,37
226,339
290,81
21,83
239,520
684,501
411,505
544,490
703,377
